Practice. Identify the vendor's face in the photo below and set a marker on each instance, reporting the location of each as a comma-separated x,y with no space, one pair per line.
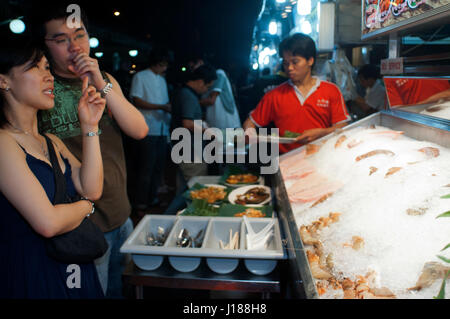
31,84
297,67
65,43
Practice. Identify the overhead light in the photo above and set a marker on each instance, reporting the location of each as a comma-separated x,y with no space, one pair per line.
133,53
98,54
255,66
306,27
117,13
273,27
281,1
93,42
264,55
326,13
17,26
183,69
304,7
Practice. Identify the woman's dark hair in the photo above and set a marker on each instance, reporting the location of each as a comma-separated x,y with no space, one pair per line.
16,52
205,72
299,44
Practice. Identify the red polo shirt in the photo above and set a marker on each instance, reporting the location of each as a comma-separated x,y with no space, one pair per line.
412,91
323,107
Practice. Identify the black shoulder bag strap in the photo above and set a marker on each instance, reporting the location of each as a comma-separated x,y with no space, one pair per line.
60,181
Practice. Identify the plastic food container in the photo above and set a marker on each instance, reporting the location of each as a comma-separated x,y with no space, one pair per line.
216,230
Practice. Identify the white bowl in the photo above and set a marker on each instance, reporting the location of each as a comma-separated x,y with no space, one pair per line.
184,264
148,262
260,267
222,265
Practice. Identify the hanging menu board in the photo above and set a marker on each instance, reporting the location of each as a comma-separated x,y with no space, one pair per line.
385,15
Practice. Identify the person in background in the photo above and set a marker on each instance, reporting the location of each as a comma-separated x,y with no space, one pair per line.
304,104
27,181
149,93
375,97
221,110
187,109
68,49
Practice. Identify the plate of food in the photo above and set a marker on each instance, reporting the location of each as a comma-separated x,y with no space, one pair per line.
242,179
211,193
231,210
251,196
237,176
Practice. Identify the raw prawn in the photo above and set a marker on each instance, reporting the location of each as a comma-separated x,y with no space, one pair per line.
393,134
373,170
430,273
340,141
357,243
316,271
392,171
354,143
373,153
322,199
312,149
430,152
307,237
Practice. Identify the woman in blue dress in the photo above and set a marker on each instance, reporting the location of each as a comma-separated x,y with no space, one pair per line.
27,187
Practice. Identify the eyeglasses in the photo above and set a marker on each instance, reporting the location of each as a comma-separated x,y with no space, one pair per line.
64,40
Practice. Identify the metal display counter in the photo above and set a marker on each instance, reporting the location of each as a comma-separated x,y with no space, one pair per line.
301,283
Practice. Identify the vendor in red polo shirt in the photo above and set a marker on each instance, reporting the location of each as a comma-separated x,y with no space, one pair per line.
304,104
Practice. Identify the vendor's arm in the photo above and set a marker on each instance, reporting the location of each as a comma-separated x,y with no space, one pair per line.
436,97
339,118
311,135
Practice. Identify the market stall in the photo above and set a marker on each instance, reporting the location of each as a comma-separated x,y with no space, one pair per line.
364,209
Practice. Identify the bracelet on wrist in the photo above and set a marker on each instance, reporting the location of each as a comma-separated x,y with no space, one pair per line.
92,206
92,134
104,92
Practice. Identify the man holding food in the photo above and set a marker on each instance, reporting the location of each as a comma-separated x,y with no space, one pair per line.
304,107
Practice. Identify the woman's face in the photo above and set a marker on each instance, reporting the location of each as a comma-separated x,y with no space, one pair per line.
32,84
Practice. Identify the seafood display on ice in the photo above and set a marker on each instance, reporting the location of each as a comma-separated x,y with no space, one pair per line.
365,202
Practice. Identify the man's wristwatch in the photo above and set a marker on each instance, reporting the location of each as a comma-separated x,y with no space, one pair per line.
104,92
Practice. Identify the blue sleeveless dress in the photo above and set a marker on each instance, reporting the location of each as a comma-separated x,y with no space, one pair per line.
26,272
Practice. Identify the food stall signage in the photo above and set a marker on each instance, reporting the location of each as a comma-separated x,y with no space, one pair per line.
392,66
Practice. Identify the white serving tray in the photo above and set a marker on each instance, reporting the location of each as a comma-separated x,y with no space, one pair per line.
216,228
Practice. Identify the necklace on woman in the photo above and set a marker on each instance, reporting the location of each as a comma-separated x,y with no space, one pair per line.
41,145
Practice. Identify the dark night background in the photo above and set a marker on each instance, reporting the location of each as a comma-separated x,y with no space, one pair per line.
220,29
